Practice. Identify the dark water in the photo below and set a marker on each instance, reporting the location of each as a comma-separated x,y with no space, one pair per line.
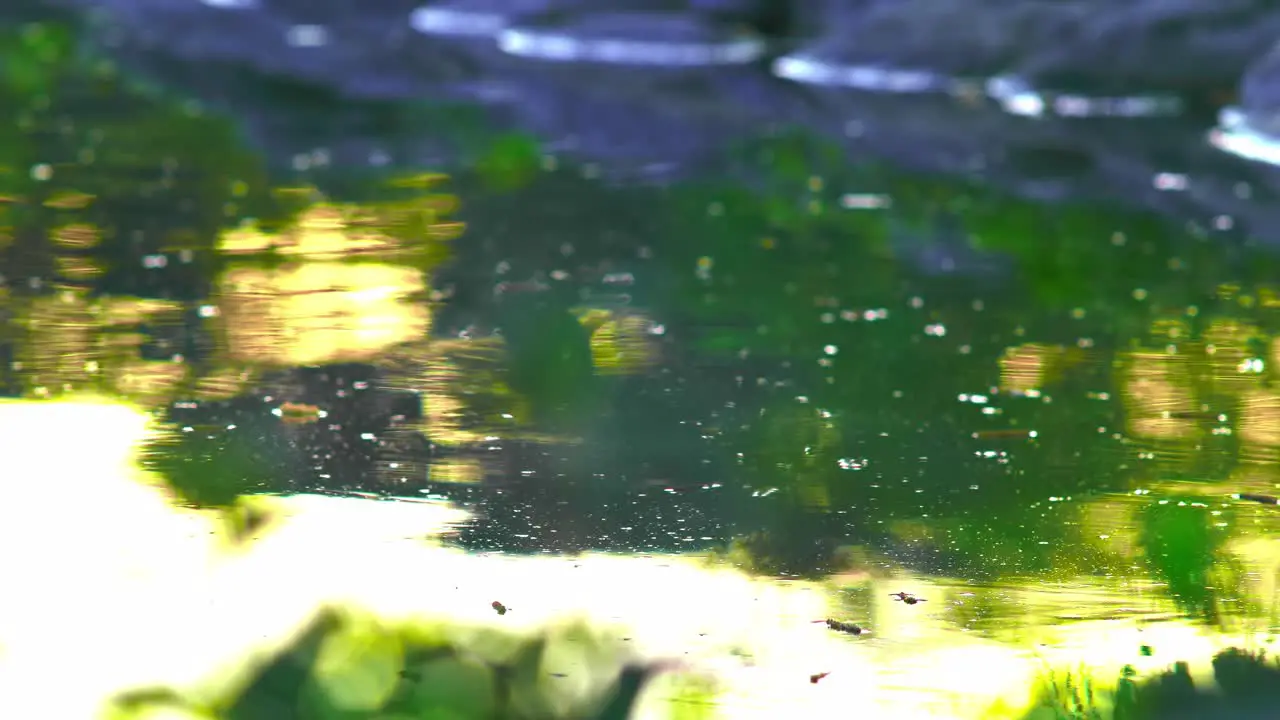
724,327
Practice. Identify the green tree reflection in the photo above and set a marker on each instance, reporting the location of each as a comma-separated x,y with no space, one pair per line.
1183,542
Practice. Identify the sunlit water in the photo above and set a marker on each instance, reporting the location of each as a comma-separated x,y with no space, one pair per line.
154,595
706,417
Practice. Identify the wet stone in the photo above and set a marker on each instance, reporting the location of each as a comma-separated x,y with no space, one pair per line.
478,18
487,18
945,38
1260,93
634,38
1192,48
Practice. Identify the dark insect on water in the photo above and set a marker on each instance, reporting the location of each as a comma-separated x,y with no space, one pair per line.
843,627
500,608
814,678
907,598
1264,499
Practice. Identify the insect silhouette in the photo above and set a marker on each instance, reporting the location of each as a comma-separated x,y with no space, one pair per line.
814,678
843,627
907,598
499,607
1264,499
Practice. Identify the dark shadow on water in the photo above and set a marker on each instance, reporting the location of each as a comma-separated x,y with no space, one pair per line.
1248,688
338,668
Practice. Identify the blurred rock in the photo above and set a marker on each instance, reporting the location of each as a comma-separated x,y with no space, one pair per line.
954,38
1260,92
658,124
633,124
1195,49
1192,48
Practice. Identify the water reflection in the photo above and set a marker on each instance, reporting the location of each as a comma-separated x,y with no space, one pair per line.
319,313
76,343
702,416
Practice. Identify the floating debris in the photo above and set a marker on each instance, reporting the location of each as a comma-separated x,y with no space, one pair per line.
1000,433
299,413
907,598
1192,415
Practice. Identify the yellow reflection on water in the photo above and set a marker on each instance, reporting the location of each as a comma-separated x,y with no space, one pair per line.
1023,368
457,372
320,312
77,269
323,307
75,343
1253,475
458,470
623,342
466,404
322,232
1260,555
1030,366
1226,348
1198,387
69,239
221,383
150,383
1260,418
77,236
69,200
1158,396
331,231
465,396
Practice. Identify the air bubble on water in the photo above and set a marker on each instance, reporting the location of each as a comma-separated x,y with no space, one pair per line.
307,36
1170,181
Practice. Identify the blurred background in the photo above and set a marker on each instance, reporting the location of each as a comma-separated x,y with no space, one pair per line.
564,359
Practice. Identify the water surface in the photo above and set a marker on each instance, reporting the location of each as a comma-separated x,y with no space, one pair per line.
698,403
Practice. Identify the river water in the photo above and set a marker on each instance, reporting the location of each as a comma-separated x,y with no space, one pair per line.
302,389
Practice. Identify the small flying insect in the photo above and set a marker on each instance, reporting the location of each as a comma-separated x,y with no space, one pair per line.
907,598
844,627
500,608
814,678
